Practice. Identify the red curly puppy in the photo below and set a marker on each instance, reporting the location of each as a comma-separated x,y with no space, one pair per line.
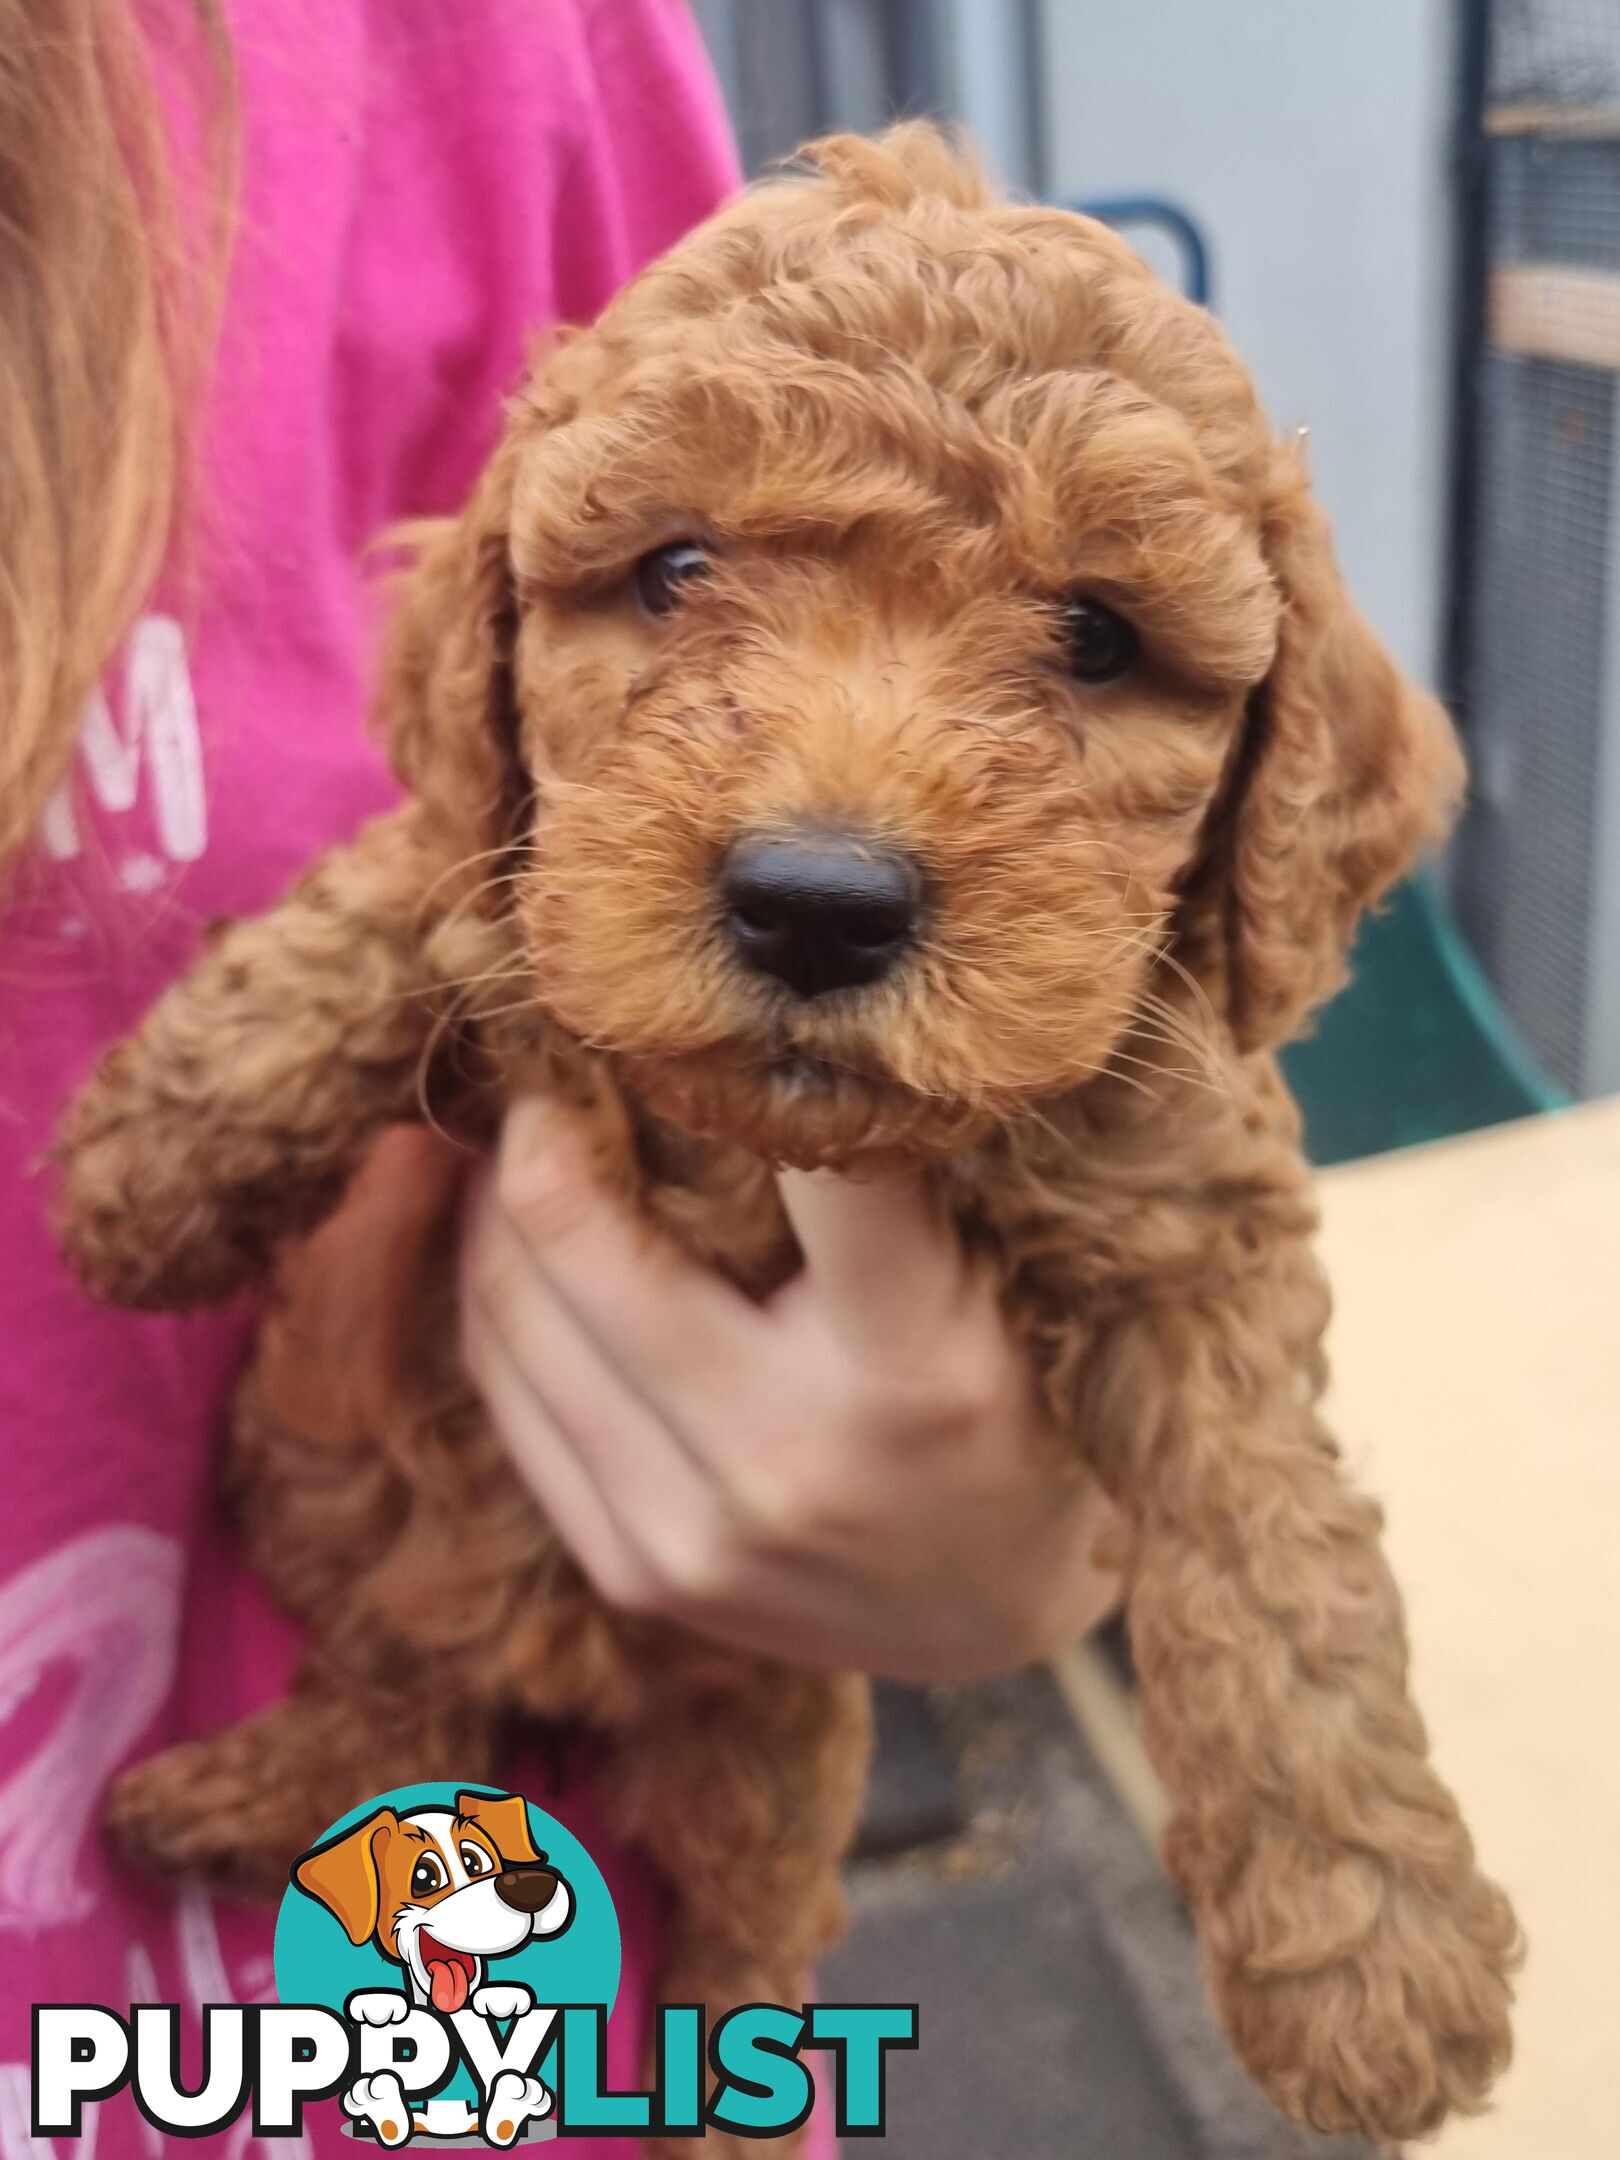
889,691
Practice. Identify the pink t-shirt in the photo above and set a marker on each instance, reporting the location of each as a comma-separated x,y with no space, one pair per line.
424,181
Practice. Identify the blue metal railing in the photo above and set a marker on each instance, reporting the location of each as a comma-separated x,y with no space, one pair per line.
1167,217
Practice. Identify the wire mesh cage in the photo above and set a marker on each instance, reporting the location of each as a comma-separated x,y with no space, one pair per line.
1538,865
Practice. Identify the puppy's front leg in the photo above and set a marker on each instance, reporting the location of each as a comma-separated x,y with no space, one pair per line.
746,1801
232,1118
1358,1957
234,1809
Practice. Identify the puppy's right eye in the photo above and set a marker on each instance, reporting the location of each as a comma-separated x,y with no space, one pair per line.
1100,645
427,1876
662,576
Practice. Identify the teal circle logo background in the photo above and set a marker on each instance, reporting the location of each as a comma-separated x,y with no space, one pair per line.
316,1962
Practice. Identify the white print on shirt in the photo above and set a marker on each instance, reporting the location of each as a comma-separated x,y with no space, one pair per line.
152,735
106,1606
17,2139
141,1974
204,1980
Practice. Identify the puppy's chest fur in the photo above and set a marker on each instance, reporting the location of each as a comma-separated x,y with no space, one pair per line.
358,1435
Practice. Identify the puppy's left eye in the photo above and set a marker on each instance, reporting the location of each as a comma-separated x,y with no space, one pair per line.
664,575
1101,646
476,1861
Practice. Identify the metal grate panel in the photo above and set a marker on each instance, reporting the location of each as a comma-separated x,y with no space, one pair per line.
1525,861
1541,674
1555,52
1557,202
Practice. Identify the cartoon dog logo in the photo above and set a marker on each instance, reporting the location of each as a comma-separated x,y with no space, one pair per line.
440,1892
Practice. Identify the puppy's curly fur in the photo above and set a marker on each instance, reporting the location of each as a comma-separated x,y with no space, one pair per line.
906,420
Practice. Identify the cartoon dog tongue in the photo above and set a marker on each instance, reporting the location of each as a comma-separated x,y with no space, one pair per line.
448,1979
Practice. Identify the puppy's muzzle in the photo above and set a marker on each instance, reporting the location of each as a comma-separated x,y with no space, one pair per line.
819,911
526,1889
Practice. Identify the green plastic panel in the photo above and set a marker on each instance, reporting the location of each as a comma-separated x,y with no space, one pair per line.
1415,1047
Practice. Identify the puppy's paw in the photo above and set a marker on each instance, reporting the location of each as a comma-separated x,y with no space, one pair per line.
228,1811
503,2000
1367,1994
378,2006
513,2100
380,2101
134,1214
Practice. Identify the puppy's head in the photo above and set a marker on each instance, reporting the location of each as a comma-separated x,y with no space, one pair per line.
890,644
440,1890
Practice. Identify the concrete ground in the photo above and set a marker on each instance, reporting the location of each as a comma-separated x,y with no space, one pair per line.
1003,1888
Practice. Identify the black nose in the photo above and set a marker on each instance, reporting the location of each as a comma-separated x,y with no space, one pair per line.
526,1889
821,912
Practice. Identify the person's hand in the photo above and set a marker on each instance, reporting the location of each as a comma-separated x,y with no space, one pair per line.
851,1474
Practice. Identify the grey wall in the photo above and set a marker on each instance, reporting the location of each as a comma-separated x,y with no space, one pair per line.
1310,138
795,68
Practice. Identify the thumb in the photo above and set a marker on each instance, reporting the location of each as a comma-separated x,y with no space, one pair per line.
879,1254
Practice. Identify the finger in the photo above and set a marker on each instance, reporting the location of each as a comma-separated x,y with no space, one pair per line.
574,1504
631,1451
1085,1562
879,1257
654,1313
1094,1593
649,1529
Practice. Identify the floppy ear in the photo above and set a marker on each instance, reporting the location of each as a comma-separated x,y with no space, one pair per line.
505,1818
345,1876
446,707
1346,772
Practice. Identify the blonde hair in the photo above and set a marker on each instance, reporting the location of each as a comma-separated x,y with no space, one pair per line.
116,149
